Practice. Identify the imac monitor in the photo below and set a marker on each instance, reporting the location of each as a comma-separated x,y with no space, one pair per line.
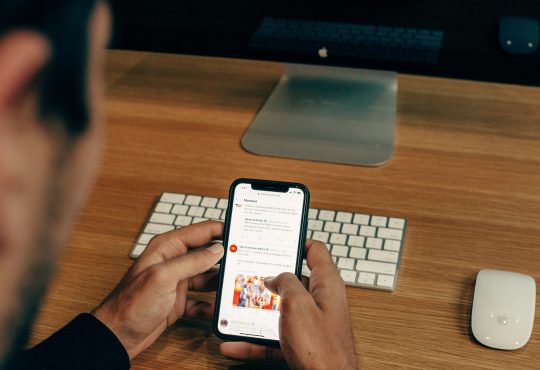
336,100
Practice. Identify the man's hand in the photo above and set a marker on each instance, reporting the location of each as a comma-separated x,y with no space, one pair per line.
314,327
153,293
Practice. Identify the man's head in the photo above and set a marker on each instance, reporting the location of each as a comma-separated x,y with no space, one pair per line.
51,129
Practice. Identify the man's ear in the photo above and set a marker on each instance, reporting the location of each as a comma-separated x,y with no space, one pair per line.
23,54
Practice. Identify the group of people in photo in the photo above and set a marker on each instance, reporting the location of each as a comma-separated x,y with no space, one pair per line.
251,292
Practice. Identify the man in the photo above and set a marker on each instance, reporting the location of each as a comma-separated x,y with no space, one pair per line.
51,134
243,294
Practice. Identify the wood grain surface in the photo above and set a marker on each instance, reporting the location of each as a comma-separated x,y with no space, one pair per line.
466,175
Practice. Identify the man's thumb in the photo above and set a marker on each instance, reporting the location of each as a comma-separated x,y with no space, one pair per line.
285,285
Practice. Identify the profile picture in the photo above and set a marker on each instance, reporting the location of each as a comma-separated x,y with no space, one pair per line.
251,292
223,323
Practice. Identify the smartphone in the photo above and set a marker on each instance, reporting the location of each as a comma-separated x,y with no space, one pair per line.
265,234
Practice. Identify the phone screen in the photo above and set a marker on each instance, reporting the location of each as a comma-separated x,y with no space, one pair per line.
264,239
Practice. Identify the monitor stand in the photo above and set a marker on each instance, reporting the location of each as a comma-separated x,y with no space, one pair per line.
331,114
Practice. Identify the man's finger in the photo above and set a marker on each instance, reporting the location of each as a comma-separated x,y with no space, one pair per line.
249,351
181,268
325,283
305,281
205,282
320,262
198,234
318,256
199,310
287,285
177,242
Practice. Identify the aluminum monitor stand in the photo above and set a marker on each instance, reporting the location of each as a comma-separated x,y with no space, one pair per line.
331,114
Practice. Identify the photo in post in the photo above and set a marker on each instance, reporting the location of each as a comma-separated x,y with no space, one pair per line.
251,292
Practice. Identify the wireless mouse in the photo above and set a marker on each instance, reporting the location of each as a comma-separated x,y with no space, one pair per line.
503,309
519,35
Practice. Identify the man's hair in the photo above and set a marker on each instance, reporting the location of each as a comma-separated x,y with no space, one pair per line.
62,83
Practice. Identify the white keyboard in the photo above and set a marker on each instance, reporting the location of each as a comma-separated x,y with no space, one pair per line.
367,249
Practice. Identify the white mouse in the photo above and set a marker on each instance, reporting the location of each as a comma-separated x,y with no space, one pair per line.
503,309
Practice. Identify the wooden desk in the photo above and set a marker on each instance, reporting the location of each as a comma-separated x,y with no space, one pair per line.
466,174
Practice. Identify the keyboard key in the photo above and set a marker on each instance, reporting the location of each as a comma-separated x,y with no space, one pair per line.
344,217
338,239
179,209
306,271
350,229
367,278
374,243
372,266
315,225
392,245
162,218
358,253
396,223
345,263
222,204
308,234
356,241
183,220
332,227
223,215
378,221
196,211
361,219
390,233
340,251
385,281
320,236
137,251
163,207
383,256
145,238
193,200
155,229
196,220
348,276
326,215
172,198
368,231
312,214
213,213
210,202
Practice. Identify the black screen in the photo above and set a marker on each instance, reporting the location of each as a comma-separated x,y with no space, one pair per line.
468,31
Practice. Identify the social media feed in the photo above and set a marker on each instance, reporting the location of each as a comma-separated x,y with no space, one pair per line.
263,241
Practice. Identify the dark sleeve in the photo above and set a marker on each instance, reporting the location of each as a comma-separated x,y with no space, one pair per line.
84,343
